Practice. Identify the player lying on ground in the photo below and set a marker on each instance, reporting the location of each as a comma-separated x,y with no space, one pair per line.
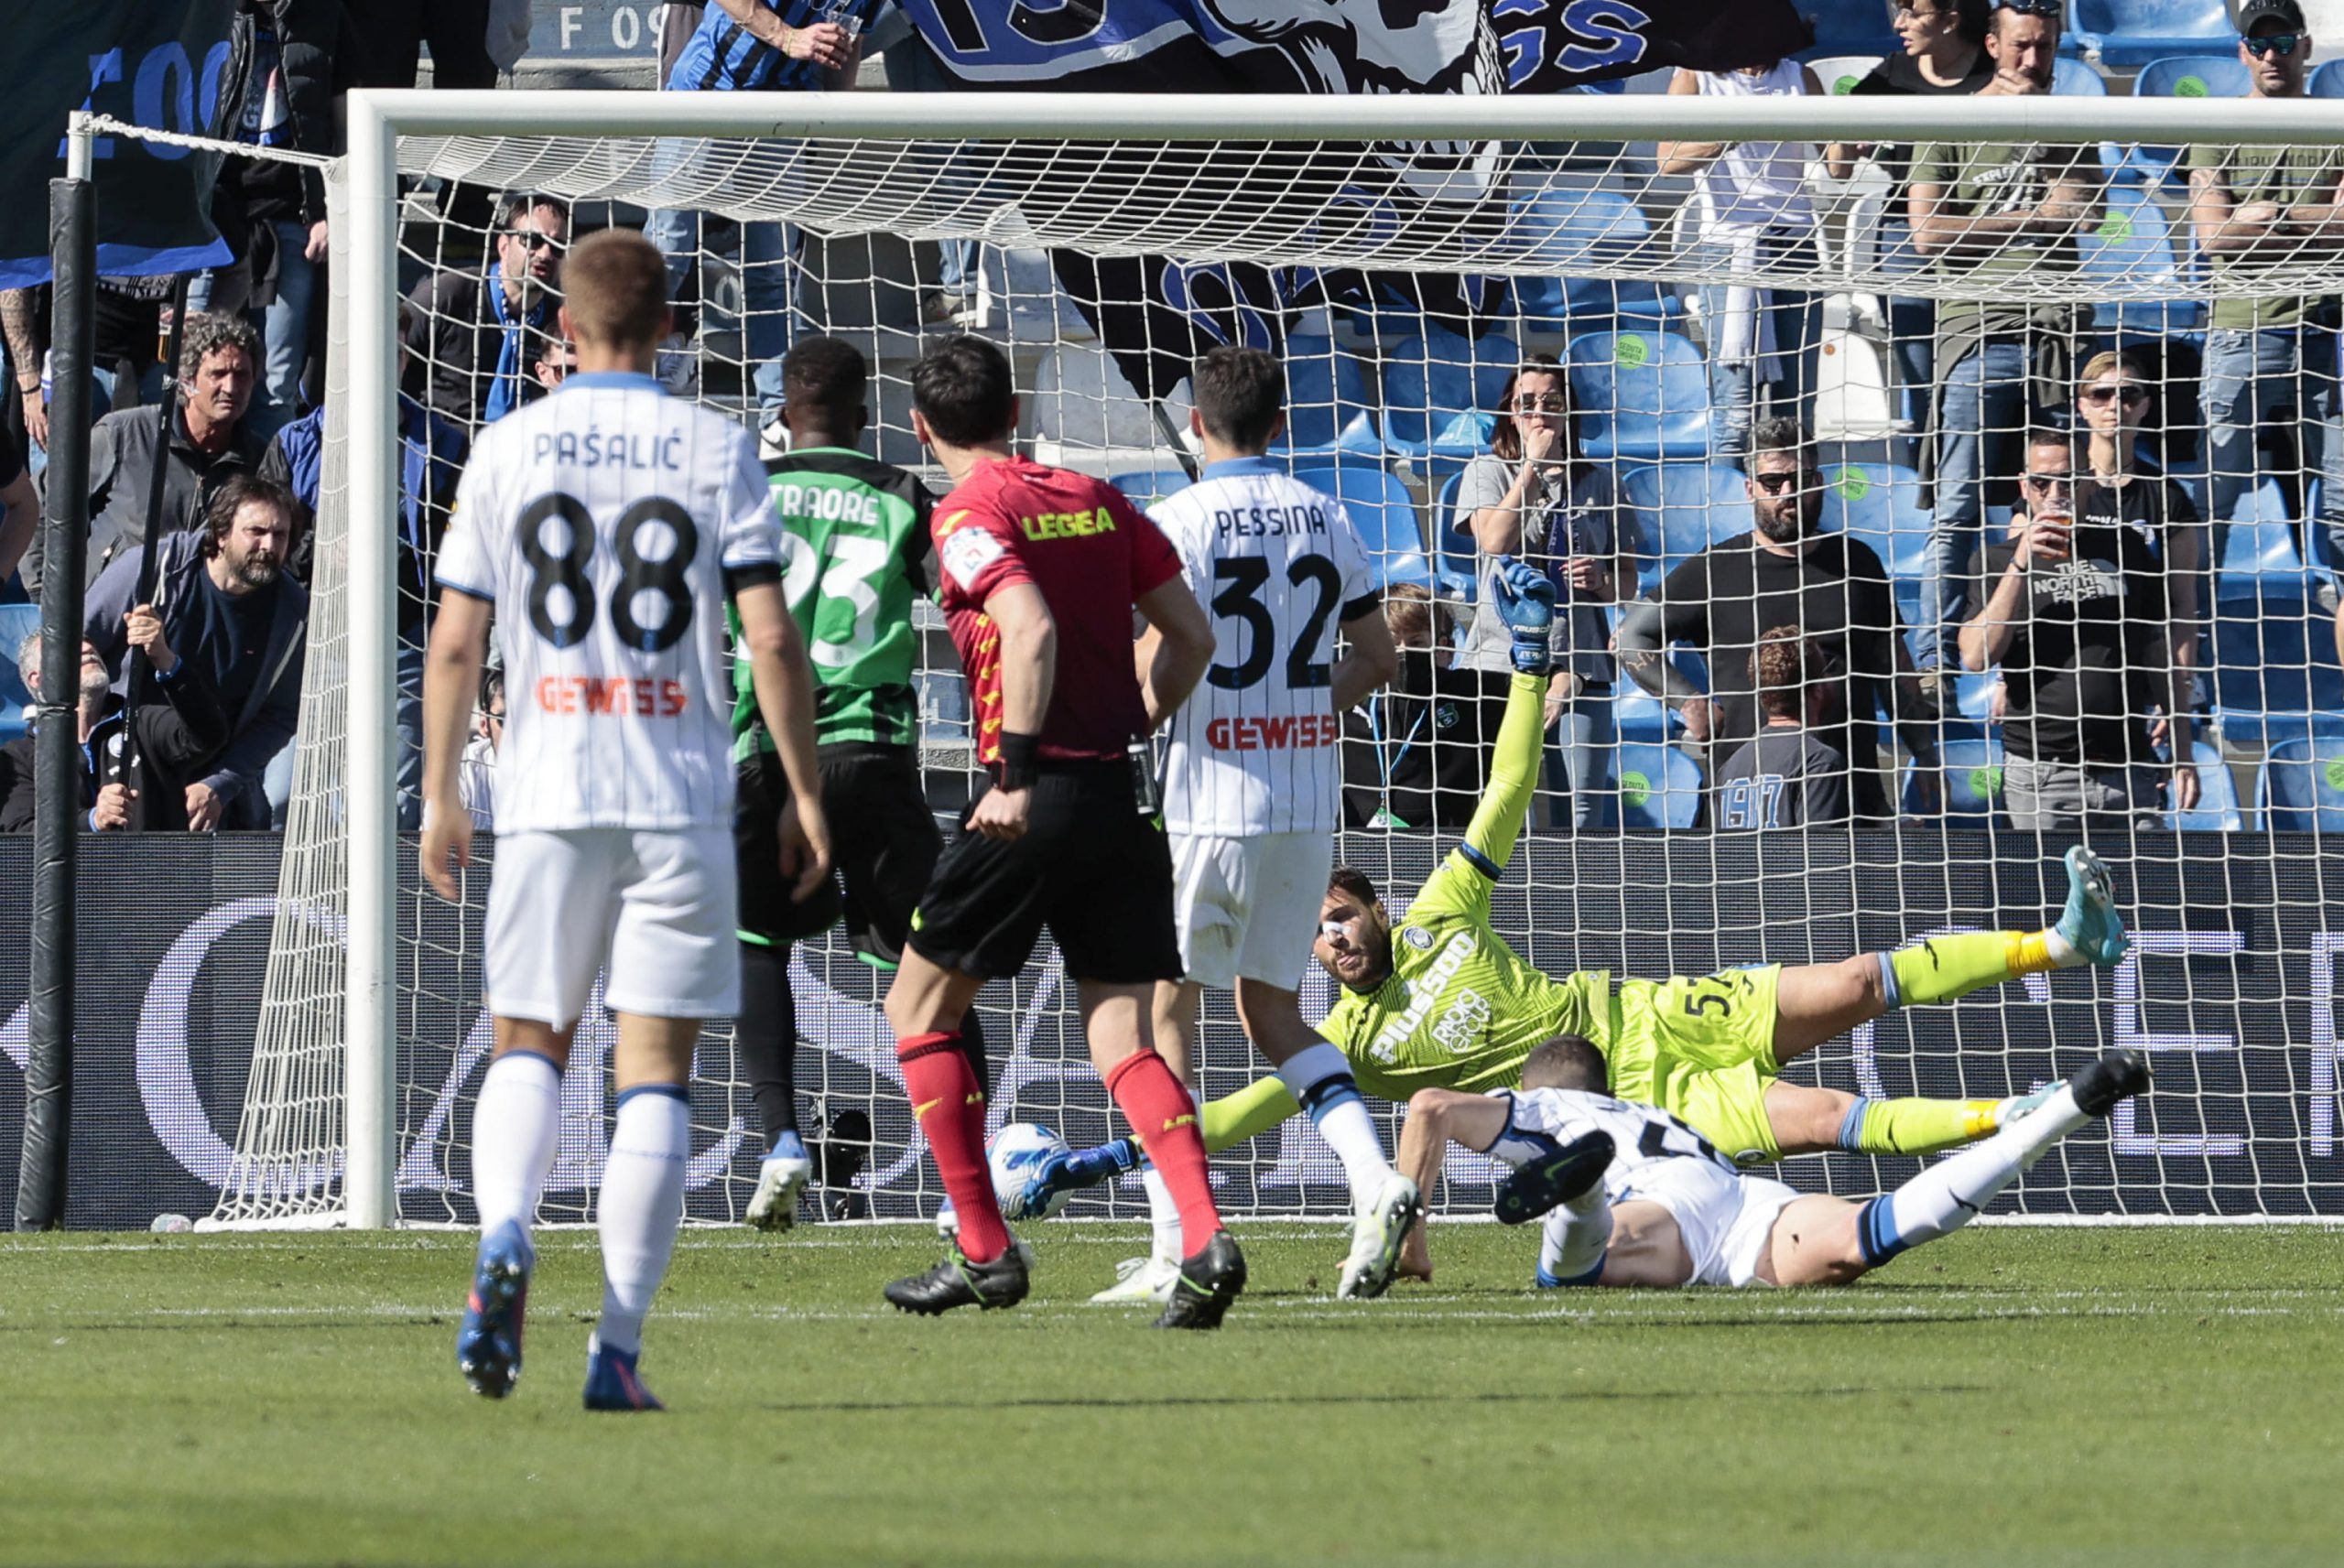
613,786
1631,1196
1449,1005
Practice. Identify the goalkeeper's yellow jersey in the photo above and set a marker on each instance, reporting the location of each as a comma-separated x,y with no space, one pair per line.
1460,1010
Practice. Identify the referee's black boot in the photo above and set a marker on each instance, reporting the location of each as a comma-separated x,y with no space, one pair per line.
1209,1280
957,1283
1556,1176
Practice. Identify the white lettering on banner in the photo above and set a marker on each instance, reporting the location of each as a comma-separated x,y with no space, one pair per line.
2122,1134
2324,948
570,15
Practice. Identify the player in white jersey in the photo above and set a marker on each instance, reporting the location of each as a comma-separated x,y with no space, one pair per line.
1252,783
604,528
1633,1196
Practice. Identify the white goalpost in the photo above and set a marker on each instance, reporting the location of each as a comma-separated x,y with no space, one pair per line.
1529,225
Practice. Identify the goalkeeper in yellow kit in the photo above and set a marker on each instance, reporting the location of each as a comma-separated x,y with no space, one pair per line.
1440,1001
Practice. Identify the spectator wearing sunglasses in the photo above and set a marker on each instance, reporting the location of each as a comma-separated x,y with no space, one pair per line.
1786,572
2080,622
2252,206
479,335
1531,497
2115,397
1988,215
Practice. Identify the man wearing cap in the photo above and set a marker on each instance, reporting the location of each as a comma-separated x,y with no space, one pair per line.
2251,206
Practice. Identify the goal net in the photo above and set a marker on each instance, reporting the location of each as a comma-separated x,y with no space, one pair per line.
1635,287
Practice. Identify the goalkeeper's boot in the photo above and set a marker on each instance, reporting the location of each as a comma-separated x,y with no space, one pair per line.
2116,1077
2089,922
957,1283
488,1342
1210,1277
1141,1281
613,1383
1376,1236
781,1176
1566,1171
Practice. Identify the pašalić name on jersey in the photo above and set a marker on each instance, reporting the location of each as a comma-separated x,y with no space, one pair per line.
609,449
1458,1026
1269,521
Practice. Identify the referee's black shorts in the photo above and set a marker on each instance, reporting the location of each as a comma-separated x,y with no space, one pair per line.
1090,867
884,845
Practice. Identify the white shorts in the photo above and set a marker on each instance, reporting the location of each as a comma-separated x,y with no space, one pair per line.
1249,907
658,909
1727,1220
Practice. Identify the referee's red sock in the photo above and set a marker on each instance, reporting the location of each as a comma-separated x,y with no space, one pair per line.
1165,1118
949,1104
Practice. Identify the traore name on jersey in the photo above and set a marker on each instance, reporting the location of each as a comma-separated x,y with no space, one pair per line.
603,520
1279,567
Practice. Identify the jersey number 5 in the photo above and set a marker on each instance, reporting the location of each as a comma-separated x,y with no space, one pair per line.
1239,581
638,575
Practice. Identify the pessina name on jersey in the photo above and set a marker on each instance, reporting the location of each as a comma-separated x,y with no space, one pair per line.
610,448
1269,521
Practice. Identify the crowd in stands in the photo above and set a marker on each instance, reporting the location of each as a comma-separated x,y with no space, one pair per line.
2030,614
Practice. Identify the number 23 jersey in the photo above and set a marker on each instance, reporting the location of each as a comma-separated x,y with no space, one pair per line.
603,522
1278,567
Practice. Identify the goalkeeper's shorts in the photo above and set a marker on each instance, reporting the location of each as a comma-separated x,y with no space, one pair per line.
1703,1050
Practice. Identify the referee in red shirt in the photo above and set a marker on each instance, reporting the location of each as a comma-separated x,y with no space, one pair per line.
1041,569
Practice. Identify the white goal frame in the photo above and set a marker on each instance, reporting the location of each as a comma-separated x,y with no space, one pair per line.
366,248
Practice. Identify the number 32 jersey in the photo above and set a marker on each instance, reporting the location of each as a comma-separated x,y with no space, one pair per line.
603,522
1278,567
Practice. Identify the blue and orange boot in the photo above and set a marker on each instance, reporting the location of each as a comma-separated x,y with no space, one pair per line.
488,1344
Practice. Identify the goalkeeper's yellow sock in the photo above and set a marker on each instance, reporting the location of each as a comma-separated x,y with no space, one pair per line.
1232,1118
1916,1126
1945,967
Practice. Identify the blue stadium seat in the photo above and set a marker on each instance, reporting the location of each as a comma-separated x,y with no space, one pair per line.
2260,558
1328,408
2325,81
1149,486
1660,786
1973,695
2131,249
1385,516
2073,78
2273,668
2300,788
2218,809
1640,395
17,622
1571,232
1973,777
1640,716
1881,504
1452,547
1440,390
2134,32
1840,73
1681,509
2178,76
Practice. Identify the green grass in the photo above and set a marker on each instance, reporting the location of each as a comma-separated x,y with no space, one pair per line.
2009,1396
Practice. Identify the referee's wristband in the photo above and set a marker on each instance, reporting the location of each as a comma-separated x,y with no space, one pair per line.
1021,760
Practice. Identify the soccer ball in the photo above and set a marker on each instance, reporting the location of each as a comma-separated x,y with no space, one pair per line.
1015,1152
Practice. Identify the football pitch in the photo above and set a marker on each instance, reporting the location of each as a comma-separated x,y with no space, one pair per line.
2008,1396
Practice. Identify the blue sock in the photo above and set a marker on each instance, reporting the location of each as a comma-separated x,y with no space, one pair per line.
787,1145
1851,1126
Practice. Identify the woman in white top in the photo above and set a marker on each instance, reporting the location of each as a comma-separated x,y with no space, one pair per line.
1754,214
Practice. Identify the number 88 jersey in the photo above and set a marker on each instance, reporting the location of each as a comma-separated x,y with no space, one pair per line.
1278,567
603,522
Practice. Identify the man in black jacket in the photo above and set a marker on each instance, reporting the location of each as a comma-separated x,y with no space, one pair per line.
1786,572
242,621
294,59
181,723
210,444
480,335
